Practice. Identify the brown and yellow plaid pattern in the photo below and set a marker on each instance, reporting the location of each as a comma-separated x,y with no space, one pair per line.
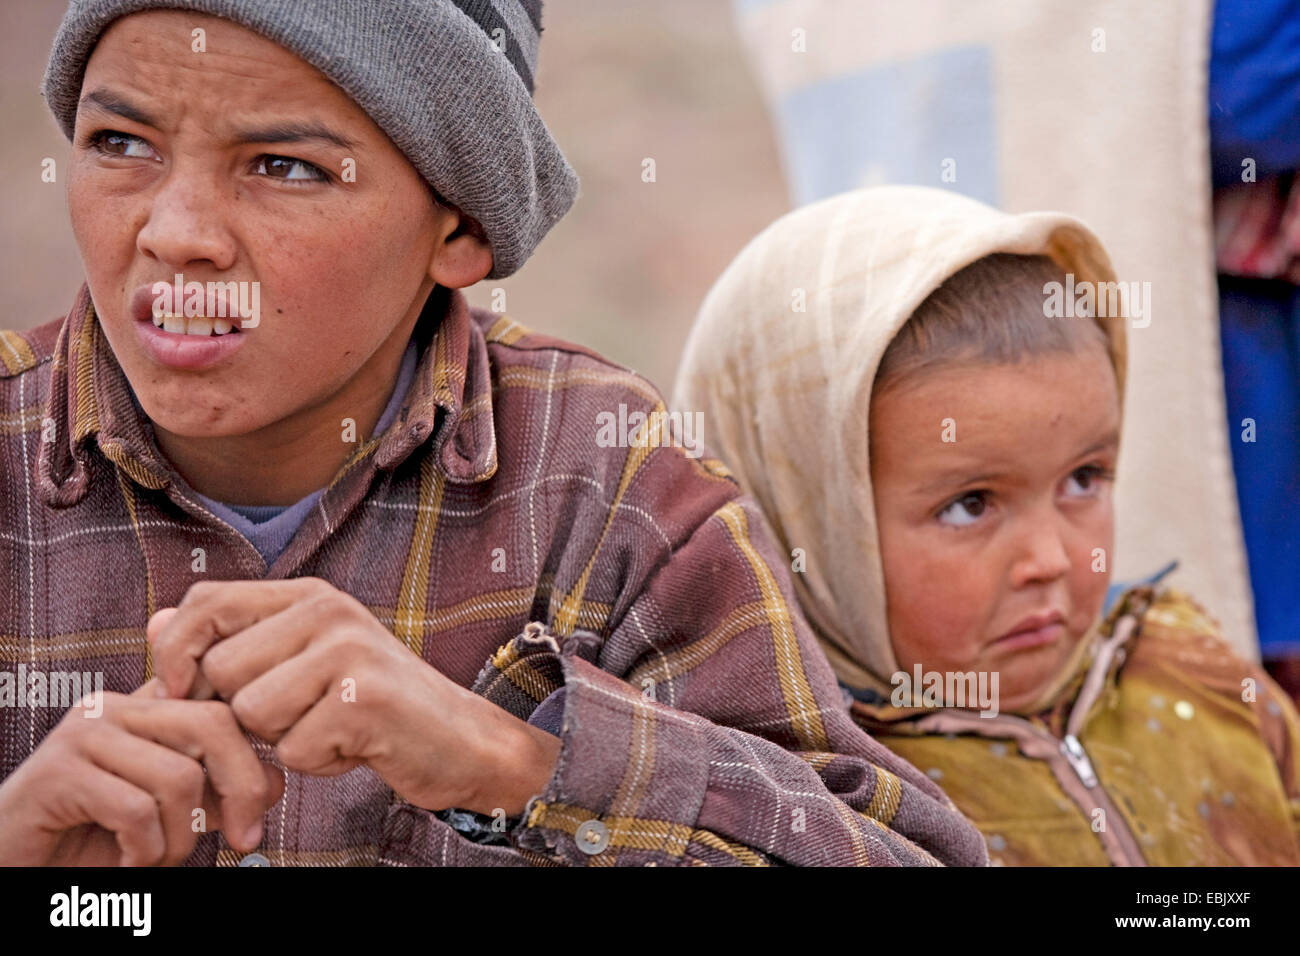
701,724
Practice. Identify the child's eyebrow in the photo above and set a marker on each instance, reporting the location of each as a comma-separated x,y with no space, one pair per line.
957,476
291,131
1105,444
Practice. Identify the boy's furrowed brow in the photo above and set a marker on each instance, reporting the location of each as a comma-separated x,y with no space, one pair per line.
289,131
294,132
106,101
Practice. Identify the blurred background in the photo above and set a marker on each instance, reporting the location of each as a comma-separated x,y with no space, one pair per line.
1135,117
619,81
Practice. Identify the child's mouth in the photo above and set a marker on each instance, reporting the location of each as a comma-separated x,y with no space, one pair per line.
1035,631
1021,640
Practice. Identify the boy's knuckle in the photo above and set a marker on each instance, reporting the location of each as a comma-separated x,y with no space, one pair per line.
138,810
184,781
217,715
200,593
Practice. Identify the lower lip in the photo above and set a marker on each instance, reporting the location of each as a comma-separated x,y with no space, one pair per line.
1039,636
188,352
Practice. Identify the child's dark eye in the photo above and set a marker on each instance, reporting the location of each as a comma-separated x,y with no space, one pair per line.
1084,482
965,510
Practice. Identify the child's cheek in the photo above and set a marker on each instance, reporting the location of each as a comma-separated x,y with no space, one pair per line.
938,602
1091,554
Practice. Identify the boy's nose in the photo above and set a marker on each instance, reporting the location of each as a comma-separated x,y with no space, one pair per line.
186,225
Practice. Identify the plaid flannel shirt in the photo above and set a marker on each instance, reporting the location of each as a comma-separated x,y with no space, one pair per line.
494,536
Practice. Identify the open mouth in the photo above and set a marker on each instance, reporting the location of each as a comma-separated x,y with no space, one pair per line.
197,325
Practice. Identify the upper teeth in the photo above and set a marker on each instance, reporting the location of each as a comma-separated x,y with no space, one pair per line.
194,325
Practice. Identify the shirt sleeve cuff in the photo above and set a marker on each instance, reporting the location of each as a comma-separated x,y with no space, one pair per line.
631,775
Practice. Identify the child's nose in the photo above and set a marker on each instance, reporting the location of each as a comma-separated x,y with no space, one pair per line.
1041,554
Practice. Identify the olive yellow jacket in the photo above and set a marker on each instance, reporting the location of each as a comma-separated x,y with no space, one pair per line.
1166,749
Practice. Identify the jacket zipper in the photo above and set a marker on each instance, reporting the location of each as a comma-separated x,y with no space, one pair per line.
1078,758
1119,843
1122,846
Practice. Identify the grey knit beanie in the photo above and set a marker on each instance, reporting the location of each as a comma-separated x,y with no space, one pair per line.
449,81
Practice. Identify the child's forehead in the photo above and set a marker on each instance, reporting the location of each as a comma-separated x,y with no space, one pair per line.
973,377
1034,410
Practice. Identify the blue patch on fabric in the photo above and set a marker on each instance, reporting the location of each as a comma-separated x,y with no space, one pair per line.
1115,590
900,123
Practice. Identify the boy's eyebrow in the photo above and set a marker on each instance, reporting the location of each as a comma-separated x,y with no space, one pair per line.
289,131
106,101
294,131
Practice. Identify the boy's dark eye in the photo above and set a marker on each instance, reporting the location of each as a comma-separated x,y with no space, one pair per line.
113,143
281,167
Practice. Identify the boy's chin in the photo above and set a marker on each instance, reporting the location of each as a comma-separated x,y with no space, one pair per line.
200,422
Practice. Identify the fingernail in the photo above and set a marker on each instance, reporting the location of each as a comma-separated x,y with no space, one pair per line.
254,835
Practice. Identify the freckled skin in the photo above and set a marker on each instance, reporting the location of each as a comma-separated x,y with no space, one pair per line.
344,268
952,590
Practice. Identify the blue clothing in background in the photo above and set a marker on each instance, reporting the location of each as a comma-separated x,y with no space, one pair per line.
1255,87
1254,113
1259,325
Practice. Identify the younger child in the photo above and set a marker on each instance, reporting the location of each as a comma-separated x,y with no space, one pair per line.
932,431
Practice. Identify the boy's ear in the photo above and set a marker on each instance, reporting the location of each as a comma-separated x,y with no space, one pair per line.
462,254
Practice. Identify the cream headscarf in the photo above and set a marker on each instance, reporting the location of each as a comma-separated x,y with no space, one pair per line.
782,358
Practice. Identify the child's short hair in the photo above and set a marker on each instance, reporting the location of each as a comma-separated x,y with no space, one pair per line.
991,311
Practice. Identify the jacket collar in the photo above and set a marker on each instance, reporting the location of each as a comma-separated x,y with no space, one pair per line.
90,399
1094,679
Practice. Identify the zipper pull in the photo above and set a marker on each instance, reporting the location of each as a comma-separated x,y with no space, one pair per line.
1078,759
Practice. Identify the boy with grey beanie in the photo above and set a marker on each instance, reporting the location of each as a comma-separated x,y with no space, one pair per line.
362,576
449,81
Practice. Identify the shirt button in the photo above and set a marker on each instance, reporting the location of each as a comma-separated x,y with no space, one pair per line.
592,837
254,859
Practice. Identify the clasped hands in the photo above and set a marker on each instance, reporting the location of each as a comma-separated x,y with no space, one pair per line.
300,664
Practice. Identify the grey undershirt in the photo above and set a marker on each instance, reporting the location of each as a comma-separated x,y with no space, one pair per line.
270,528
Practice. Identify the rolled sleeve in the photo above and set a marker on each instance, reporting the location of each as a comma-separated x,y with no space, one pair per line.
711,731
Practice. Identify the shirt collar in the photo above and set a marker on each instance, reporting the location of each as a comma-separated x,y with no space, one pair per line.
90,398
